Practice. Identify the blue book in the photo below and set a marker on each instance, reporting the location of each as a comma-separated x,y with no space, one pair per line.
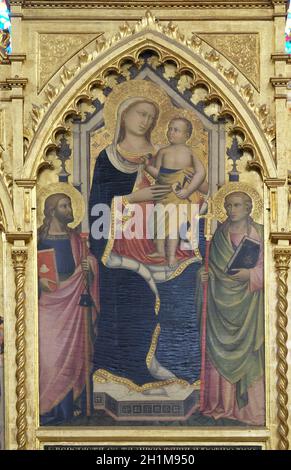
245,256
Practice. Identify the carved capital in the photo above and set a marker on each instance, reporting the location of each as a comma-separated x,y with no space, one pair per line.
282,258
19,258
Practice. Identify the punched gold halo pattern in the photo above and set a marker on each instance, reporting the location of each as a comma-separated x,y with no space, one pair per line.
198,140
167,115
144,89
133,89
78,204
219,212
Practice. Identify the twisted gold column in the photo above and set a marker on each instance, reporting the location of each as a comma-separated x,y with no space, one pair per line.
19,257
282,260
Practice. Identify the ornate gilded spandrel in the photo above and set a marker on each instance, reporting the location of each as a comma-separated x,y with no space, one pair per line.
56,49
243,50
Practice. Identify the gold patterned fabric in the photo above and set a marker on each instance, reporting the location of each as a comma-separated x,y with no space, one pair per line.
177,179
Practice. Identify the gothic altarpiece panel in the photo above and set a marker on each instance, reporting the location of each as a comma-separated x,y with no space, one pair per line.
114,329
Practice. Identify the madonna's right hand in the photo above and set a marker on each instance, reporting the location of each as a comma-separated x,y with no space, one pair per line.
151,193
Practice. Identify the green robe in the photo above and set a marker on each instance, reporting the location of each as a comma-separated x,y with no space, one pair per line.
235,320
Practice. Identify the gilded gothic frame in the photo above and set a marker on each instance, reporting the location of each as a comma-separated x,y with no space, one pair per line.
58,98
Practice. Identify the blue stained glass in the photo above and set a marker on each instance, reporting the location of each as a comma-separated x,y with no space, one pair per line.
288,31
5,23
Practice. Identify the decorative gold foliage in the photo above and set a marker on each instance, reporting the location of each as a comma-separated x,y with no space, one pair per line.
195,43
231,75
247,93
66,75
241,49
212,57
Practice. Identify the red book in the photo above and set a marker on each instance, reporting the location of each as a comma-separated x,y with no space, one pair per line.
47,266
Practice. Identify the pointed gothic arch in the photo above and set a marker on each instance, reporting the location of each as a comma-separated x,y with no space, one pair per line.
65,103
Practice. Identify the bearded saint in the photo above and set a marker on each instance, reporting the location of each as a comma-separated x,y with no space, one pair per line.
62,341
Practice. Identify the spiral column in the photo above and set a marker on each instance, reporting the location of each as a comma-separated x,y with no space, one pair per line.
19,258
282,260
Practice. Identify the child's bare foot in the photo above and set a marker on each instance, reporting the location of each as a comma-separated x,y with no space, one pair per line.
156,254
172,261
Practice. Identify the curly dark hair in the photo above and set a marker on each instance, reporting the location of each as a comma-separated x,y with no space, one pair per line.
50,205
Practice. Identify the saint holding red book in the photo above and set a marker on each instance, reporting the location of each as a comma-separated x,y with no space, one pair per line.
63,324
47,267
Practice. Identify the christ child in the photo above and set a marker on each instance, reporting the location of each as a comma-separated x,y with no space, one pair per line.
176,165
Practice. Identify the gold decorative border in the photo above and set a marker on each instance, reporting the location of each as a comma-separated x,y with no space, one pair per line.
232,435
154,344
282,260
181,4
102,376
